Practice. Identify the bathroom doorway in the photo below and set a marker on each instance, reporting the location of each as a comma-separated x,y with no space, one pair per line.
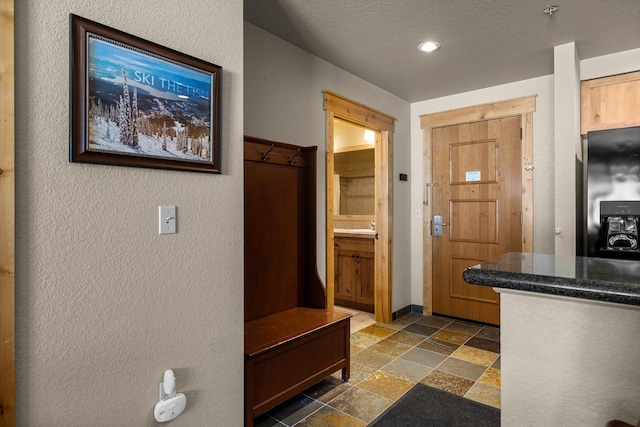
354,207
358,194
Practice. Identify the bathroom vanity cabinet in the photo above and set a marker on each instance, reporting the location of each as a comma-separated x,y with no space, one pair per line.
354,272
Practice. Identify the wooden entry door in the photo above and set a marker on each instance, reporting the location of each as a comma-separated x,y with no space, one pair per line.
477,191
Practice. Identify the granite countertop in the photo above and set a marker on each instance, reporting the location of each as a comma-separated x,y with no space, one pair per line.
599,279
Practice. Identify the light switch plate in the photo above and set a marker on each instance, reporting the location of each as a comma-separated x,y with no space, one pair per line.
167,219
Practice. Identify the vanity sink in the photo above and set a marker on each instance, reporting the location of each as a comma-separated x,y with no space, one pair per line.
355,232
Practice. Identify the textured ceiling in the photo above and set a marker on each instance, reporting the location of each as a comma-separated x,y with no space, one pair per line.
484,42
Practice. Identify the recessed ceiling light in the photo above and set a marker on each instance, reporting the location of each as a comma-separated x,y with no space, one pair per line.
429,46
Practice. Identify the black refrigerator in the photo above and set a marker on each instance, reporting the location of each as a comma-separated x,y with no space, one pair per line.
611,209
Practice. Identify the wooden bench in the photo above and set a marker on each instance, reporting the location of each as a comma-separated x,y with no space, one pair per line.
291,339
289,351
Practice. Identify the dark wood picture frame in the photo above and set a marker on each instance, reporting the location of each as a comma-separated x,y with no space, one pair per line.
136,103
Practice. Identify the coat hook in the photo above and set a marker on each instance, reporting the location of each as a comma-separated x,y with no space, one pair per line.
265,155
292,158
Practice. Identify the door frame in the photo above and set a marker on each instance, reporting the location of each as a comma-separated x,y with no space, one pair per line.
523,107
339,107
7,215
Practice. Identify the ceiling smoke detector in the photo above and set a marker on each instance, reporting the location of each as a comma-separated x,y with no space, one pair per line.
549,10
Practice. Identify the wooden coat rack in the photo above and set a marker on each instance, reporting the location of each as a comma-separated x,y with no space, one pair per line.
291,340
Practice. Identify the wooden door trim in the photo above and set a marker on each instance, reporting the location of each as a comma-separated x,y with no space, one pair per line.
337,106
523,107
7,215
356,112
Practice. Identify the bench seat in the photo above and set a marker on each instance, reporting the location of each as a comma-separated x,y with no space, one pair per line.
289,351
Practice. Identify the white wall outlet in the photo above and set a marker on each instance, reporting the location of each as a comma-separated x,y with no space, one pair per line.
167,219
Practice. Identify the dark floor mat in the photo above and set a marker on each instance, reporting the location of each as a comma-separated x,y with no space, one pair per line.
427,406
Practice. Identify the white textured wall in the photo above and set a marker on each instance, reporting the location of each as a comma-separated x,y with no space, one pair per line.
103,303
607,65
568,362
566,82
283,101
543,161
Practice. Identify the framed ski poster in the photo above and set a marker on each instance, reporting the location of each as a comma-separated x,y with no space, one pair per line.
135,103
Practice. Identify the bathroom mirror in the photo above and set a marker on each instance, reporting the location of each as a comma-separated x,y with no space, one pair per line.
354,182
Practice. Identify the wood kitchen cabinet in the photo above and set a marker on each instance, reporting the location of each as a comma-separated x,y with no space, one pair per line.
610,102
354,273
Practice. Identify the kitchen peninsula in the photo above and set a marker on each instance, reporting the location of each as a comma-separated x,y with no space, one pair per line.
570,338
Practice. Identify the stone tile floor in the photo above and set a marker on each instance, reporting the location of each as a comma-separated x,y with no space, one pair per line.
387,359
359,319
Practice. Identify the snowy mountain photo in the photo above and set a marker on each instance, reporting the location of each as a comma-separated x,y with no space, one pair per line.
141,104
